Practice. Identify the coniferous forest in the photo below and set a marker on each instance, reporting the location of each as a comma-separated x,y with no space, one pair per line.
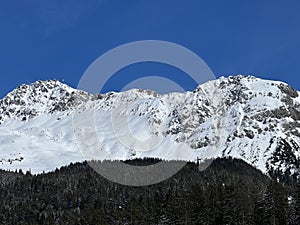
229,191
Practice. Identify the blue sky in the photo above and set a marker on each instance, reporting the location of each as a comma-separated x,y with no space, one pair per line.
60,39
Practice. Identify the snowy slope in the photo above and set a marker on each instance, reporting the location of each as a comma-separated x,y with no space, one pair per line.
245,117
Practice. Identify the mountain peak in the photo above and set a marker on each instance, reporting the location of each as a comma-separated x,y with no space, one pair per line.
30,100
239,116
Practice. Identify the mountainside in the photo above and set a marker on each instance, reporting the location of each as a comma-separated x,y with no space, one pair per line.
229,191
244,117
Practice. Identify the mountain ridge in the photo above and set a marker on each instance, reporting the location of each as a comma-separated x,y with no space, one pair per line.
239,116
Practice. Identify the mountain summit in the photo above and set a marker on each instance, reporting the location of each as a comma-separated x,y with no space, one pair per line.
240,116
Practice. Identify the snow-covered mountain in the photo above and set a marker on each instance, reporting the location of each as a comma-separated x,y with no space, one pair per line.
245,117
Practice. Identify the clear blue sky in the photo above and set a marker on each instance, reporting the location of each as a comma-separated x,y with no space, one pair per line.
59,39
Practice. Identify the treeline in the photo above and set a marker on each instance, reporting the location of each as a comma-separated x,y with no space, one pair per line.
229,191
